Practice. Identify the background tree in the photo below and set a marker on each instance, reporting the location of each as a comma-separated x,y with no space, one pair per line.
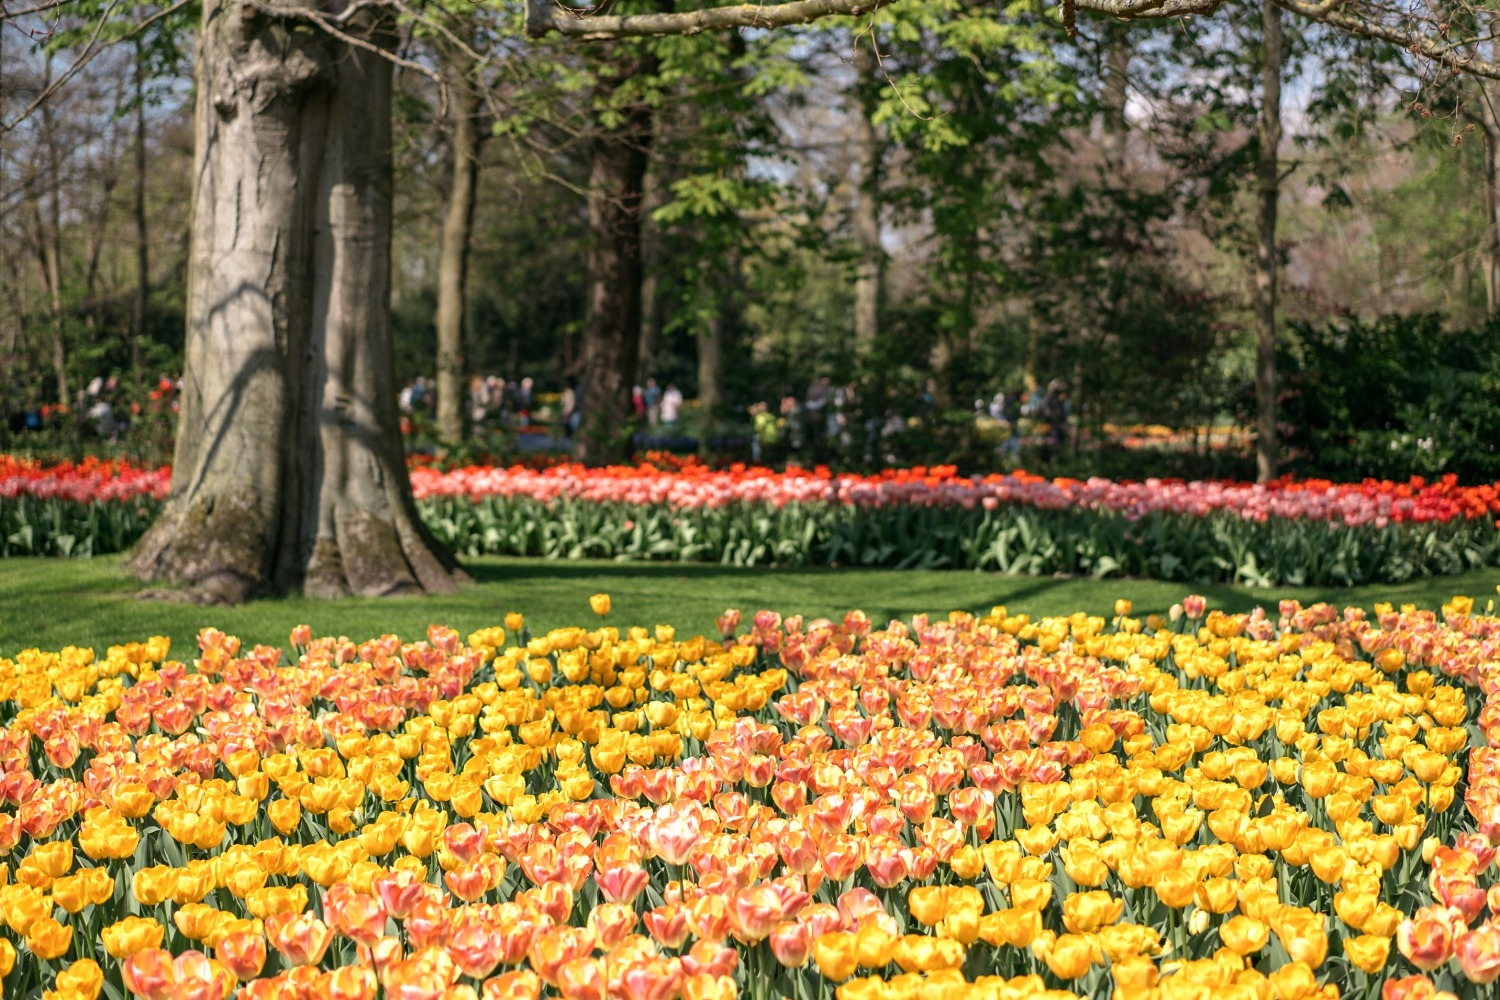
289,468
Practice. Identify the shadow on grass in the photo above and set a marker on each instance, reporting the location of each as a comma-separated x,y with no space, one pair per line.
906,589
545,569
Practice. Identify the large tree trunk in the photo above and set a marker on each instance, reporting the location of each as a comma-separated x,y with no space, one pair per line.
867,281
453,256
288,468
1268,177
612,330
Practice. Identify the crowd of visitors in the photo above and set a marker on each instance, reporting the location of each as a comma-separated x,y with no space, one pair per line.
1047,412
816,422
516,406
107,408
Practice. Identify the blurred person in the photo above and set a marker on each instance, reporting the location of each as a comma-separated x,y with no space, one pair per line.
814,404
651,396
671,404
764,431
792,420
479,401
102,413
575,417
1055,410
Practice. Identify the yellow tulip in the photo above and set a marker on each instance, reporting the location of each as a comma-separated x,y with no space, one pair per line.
1087,912
1070,956
1244,935
836,954
47,939
83,980
1368,953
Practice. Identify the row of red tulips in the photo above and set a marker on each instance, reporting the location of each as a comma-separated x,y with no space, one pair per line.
1299,533
693,485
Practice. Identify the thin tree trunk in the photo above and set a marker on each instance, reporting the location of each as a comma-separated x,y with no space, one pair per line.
1491,131
10,321
288,469
109,177
1114,147
1268,178
50,237
868,277
142,250
612,330
1115,98
453,257
651,260
711,367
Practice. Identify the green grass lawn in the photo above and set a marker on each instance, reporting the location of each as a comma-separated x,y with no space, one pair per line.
53,603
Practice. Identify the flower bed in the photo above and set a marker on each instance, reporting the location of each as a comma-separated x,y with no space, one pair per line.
1301,804
89,508
1295,533
1288,532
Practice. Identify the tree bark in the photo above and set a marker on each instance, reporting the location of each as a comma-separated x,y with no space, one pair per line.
1491,215
651,257
107,178
288,468
1115,99
612,330
142,251
711,367
49,243
1268,177
1489,126
453,255
867,281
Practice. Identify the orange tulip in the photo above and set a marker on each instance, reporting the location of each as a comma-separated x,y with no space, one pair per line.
1478,953
582,979
791,943
518,984
242,953
1426,938
301,938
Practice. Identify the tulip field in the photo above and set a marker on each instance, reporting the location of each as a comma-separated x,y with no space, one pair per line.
1292,533
1290,805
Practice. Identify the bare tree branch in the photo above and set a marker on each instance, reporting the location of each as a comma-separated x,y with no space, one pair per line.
84,57
546,16
92,48
1426,40
8,13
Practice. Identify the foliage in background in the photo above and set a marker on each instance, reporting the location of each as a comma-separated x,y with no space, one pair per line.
1407,393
